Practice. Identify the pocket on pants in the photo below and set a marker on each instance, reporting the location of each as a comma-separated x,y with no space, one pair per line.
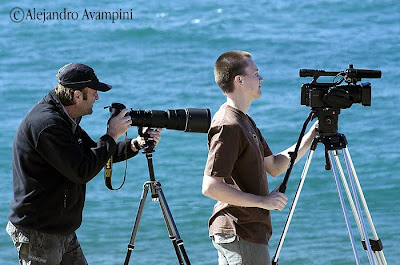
229,251
224,238
18,236
35,247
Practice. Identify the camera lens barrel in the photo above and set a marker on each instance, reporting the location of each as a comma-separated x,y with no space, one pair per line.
197,120
188,120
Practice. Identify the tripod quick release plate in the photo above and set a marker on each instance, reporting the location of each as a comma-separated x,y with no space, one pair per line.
335,142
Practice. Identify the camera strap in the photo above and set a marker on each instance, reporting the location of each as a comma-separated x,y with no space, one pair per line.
293,155
108,173
108,169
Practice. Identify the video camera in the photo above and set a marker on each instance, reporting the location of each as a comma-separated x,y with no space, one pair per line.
188,120
326,99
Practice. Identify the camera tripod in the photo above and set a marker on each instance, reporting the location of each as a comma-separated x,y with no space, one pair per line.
156,195
333,144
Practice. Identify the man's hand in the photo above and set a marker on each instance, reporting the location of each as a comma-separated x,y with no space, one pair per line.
275,200
314,129
119,125
154,134
217,189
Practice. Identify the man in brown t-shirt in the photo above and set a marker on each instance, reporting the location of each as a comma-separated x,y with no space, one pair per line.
238,160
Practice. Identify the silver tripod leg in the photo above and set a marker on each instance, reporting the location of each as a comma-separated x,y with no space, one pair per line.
375,254
342,203
292,208
378,253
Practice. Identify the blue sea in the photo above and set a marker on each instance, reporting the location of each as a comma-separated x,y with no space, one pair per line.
160,55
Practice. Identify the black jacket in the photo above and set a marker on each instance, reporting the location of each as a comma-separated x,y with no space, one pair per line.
52,162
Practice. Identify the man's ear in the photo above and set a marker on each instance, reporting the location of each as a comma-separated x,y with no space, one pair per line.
77,96
238,80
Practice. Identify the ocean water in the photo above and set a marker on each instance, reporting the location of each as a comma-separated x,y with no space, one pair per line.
161,56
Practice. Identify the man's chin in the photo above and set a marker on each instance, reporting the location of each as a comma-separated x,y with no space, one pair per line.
89,112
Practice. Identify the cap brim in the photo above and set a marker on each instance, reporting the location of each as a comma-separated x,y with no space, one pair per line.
101,87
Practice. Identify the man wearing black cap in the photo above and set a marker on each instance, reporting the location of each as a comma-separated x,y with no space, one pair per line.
53,159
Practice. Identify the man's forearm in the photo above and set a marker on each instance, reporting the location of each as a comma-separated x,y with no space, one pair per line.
215,188
277,164
304,146
220,191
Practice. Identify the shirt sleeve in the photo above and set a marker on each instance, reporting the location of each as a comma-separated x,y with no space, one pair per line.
224,150
58,147
124,151
267,150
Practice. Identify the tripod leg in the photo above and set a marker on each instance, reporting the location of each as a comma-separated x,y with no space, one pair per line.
131,244
354,180
335,175
172,237
348,193
353,203
172,229
364,232
292,208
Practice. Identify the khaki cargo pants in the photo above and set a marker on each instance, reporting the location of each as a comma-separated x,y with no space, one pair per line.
36,248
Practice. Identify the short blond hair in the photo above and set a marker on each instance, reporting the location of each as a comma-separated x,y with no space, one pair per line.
66,94
229,65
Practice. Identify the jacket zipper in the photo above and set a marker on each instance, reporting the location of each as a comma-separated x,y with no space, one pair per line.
65,198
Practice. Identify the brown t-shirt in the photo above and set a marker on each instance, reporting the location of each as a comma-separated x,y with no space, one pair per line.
236,152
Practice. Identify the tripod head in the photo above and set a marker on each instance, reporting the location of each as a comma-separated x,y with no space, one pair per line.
150,144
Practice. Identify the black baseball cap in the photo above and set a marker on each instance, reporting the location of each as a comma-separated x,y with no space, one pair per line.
79,76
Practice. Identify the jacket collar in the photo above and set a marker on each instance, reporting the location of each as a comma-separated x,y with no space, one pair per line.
53,99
